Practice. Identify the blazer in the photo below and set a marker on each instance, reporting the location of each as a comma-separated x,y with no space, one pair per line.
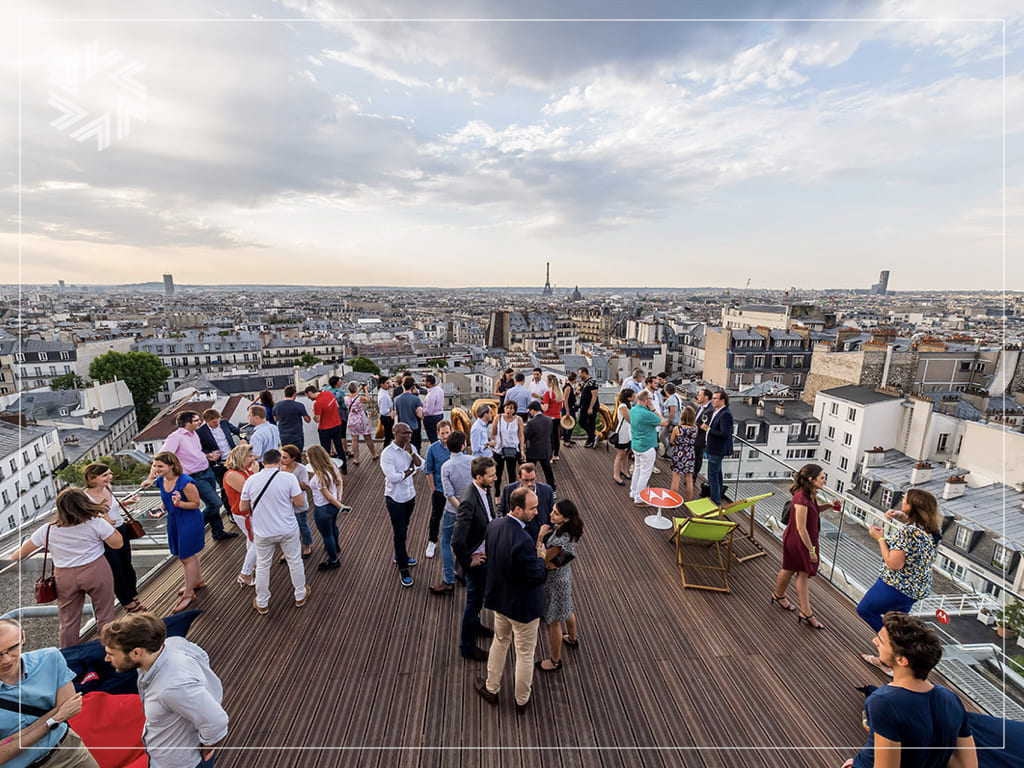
700,440
207,441
545,503
537,434
515,575
471,524
719,436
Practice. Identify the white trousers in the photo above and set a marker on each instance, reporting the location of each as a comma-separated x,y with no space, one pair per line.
643,465
291,548
249,564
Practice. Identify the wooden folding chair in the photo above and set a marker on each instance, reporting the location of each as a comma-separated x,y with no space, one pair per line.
710,532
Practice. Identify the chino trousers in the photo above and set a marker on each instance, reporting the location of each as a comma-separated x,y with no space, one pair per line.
525,636
643,466
71,753
73,584
291,548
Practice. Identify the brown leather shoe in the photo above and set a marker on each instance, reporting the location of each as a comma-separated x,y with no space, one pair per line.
477,654
444,588
521,708
481,688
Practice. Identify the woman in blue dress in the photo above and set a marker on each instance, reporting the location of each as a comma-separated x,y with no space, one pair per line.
185,534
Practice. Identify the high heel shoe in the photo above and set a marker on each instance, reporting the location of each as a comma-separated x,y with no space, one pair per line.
810,621
784,605
619,482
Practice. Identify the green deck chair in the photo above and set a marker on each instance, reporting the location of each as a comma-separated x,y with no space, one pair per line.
741,506
710,532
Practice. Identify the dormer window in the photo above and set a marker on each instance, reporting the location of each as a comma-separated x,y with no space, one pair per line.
887,494
963,537
865,486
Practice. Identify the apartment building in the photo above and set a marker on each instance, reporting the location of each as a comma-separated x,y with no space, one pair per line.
190,352
743,357
28,457
37,363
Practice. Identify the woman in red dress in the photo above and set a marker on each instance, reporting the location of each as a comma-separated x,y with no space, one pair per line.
800,544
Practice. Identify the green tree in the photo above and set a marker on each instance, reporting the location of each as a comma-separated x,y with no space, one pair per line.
307,359
364,365
437,362
133,474
142,372
67,381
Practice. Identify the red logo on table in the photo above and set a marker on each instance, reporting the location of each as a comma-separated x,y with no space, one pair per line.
661,497
942,616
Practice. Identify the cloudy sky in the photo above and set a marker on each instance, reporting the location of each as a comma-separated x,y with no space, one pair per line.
432,143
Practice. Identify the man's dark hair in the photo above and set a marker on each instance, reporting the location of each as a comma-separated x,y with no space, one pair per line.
584,369
136,630
333,381
534,406
649,380
518,498
185,417
537,370
430,380
289,391
912,639
311,390
707,393
456,442
724,396
526,468
408,383
520,377
381,379
273,456
480,465
662,375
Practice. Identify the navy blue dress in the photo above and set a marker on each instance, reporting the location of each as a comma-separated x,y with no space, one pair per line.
185,534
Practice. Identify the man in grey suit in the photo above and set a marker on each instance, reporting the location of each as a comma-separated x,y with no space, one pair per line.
545,498
476,510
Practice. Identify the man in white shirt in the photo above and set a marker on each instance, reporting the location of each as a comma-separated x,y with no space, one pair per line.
480,441
399,462
537,386
272,497
386,407
636,383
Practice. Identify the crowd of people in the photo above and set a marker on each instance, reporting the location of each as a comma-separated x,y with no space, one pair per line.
508,537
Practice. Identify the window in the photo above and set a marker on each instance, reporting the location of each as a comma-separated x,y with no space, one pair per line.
953,569
53,370
10,522
270,384
965,365
798,362
963,537
830,433
979,366
759,361
794,430
827,456
777,378
739,361
834,409
865,486
736,454
840,485
752,454
943,442
65,355
38,450
42,357
19,357
844,463
738,380
751,431
7,498
851,414
887,494
1001,557
778,361
812,431
797,379
847,438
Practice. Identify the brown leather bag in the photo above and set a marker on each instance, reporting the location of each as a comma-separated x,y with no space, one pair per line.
46,586
135,529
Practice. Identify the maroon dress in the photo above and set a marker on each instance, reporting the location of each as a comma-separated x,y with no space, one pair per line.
795,556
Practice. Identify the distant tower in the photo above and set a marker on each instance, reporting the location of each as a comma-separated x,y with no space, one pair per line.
576,295
169,285
61,284
883,281
547,281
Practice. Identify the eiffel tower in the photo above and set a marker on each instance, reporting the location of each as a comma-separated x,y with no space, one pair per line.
547,281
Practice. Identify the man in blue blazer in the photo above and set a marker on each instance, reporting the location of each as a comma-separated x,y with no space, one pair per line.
718,432
215,436
515,592
545,498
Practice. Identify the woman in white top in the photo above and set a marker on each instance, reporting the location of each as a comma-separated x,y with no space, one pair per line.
325,482
126,588
291,461
507,432
623,435
75,542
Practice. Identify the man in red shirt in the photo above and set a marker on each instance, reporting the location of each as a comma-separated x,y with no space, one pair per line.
328,422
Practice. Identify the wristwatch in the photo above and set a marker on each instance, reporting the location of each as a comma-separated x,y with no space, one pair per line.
52,724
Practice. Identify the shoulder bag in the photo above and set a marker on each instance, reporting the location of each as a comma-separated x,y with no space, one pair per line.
135,529
46,586
252,507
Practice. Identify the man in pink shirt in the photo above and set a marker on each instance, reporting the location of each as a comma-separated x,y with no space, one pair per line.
433,407
184,443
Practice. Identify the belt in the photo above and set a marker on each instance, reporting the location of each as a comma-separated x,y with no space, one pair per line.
53,750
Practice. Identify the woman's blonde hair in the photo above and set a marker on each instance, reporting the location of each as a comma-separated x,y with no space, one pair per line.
74,507
236,460
325,470
556,390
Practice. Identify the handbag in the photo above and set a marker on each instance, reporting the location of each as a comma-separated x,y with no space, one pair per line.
46,586
135,529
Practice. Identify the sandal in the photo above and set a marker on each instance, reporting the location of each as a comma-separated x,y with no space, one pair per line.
778,601
876,662
810,621
556,668
200,585
244,581
135,606
572,642
619,482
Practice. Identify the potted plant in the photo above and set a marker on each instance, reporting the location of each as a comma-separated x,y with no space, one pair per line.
1010,619
985,617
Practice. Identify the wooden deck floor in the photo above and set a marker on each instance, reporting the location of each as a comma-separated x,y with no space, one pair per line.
369,674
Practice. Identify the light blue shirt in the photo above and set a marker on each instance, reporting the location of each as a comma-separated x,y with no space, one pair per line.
264,437
456,475
519,395
43,673
437,455
479,434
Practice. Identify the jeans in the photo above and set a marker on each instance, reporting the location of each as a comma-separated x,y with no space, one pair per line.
430,426
881,599
388,424
567,433
400,512
206,484
447,558
299,441
207,763
333,436
326,519
643,465
305,533
476,580
715,477
525,635
437,502
291,548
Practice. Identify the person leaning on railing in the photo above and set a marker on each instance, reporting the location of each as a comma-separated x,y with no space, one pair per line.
907,560
97,488
75,542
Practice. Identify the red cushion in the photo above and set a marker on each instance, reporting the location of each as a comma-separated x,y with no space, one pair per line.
111,727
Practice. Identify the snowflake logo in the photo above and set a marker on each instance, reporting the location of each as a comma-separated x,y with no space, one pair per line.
86,75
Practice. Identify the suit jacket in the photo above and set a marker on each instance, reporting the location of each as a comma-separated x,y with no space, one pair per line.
537,434
207,441
719,436
471,524
515,575
545,503
700,440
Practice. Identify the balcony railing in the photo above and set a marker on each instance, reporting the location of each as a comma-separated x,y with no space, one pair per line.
977,660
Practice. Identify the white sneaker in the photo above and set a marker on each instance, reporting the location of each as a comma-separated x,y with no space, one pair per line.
431,549
656,471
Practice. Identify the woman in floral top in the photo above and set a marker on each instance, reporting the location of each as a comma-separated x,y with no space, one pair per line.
907,559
